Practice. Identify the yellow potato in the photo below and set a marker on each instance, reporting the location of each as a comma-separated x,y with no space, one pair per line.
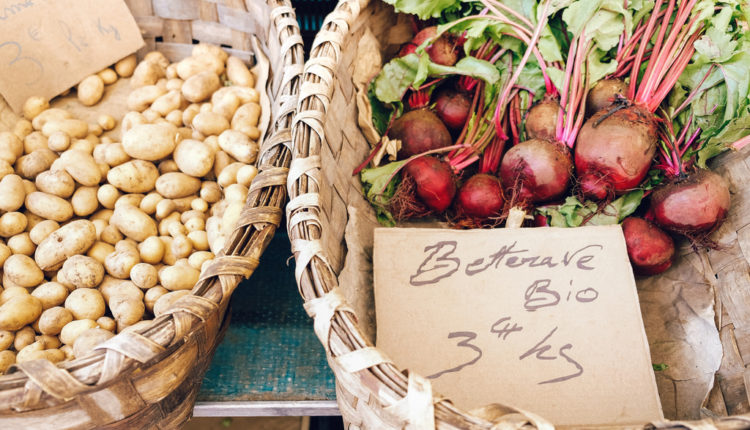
12,193
22,128
85,303
21,244
100,250
12,291
135,176
23,271
210,191
113,154
107,195
238,73
33,106
191,66
50,294
73,238
176,185
157,58
11,147
133,223
108,76
150,201
80,271
121,262
126,310
35,163
168,102
6,339
29,352
150,142
144,275
59,141
58,183
24,337
54,319
146,73
228,176
178,277
203,49
73,329
90,90
7,359
19,311
106,122
226,105
151,250
210,123
84,201
49,206
43,229
107,323
193,157
239,146
35,140
112,287
82,167
199,240
197,259
200,86
141,98
74,128
126,66
152,295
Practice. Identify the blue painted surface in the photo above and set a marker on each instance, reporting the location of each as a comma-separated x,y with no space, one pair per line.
270,351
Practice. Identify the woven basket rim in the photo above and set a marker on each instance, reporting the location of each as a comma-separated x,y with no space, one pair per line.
261,216
381,385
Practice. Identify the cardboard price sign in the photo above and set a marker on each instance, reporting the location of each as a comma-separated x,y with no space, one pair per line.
542,319
48,46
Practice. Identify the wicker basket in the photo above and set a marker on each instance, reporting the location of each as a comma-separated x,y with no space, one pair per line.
149,378
326,206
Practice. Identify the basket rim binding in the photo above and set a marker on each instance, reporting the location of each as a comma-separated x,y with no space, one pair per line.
383,393
40,385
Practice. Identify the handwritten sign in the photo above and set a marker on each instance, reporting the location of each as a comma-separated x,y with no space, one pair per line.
544,319
48,46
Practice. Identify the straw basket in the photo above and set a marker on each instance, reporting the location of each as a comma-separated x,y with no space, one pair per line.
149,378
330,226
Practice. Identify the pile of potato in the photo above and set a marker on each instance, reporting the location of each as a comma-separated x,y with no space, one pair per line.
102,233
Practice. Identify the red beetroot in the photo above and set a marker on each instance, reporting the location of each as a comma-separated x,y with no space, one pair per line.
603,93
537,170
481,196
453,108
436,185
650,249
441,51
541,121
695,205
419,131
614,151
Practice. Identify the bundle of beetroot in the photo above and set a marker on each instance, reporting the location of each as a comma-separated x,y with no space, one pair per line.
563,113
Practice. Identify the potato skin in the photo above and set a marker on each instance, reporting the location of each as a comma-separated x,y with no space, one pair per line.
135,176
76,237
150,142
133,223
49,206
19,311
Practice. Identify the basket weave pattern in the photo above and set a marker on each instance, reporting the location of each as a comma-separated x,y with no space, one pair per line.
150,378
373,392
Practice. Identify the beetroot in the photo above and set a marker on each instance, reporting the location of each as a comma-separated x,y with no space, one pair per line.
537,170
541,120
695,205
480,196
603,94
441,51
453,108
614,151
435,183
650,249
419,131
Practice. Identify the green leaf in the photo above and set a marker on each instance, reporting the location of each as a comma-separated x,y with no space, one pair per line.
735,130
395,78
425,9
658,367
382,112
379,184
573,213
399,74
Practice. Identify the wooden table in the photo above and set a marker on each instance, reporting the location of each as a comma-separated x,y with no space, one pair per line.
270,362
